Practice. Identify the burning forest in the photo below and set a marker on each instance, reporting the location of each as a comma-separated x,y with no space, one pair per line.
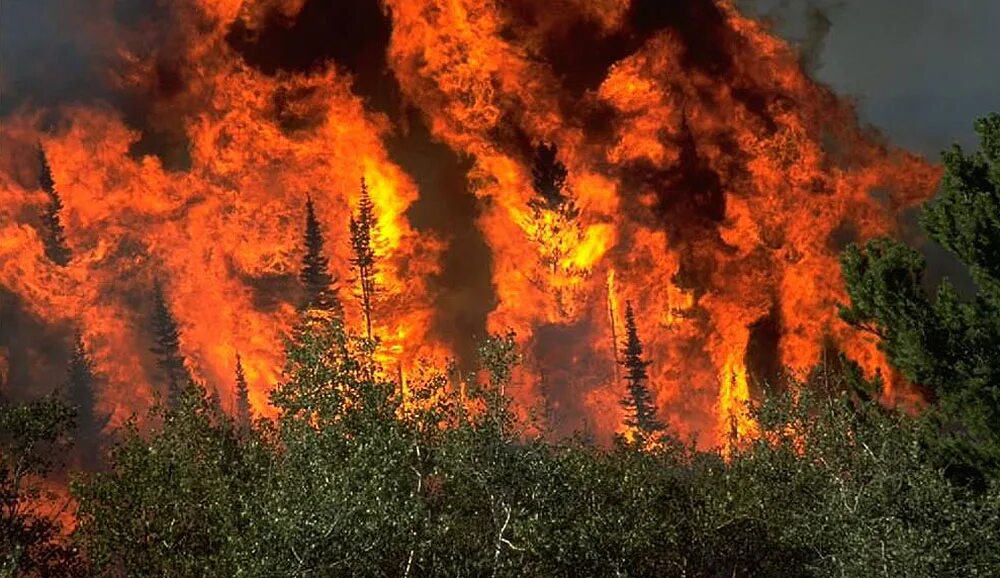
528,166
480,287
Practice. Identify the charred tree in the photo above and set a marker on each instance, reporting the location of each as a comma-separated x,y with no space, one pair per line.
241,403
638,400
320,285
168,348
56,248
548,179
363,231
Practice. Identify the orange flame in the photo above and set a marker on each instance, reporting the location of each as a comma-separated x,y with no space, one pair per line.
715,195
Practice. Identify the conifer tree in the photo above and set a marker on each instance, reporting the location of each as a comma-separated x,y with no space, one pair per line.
638,401
168,349
548,179
56,248
362,235
320,286
944,342
241,404
81,386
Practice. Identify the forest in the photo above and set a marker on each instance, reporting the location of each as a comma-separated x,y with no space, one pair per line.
362,473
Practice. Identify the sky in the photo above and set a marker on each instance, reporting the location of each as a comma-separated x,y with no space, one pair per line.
920,70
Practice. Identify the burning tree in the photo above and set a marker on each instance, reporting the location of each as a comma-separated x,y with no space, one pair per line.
241,405
320,285
168,349
638,400
554,227
56,248
363,231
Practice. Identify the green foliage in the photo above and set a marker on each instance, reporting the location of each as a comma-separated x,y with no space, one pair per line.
175,503
56,248
944,343
319,284
31,435
356,478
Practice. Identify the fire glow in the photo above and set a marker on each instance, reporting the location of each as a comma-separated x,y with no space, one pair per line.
709,180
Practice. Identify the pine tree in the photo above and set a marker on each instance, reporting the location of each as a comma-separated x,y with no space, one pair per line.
241,405
638,401
943,342
363,231
548,179
320,286
81,386
168,349
56,248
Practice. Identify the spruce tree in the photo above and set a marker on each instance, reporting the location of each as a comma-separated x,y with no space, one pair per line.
363,231
56,248
319,284
548,179
945,343
638,401
241,404
81,386
168,349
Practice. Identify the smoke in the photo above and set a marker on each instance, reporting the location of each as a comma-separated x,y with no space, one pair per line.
692,139
921,70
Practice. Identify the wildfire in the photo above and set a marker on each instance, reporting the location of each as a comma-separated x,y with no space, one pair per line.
705,178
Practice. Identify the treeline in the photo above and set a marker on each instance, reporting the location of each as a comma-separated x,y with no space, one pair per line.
360,476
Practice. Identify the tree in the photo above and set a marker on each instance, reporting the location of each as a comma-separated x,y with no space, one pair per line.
81,386
320,285
241,405
168,347
176,501
548,179
56,248
363,232
32,434
944,343
638,401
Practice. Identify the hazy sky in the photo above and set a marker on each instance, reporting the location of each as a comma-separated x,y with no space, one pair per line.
921,70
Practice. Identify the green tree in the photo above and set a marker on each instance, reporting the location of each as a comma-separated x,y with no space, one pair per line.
177,501
167,348
363,232
56,248
319,284
638,401
32,435
943,342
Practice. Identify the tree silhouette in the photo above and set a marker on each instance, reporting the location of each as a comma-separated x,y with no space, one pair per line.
81,386
320,286
168,349
548,179
56,248
638,401
241,405
363,231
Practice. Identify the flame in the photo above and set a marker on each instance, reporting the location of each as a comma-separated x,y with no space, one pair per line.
715,183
